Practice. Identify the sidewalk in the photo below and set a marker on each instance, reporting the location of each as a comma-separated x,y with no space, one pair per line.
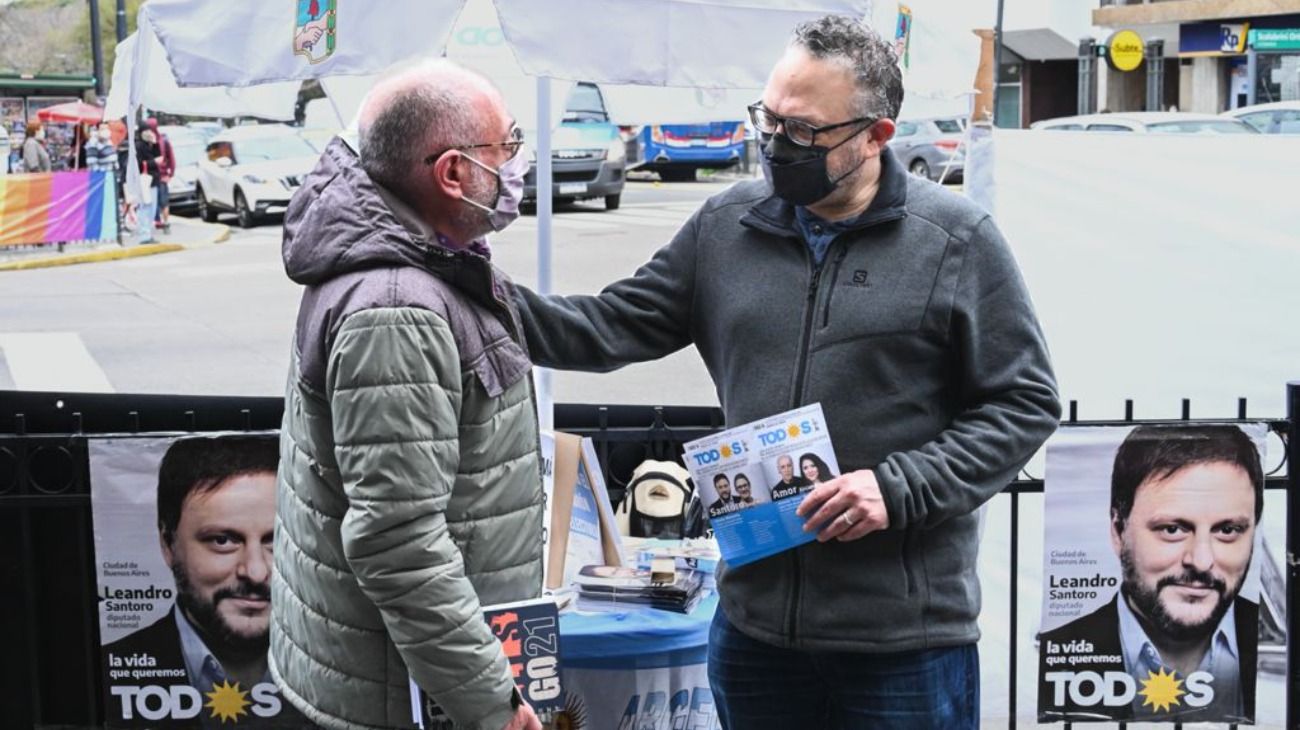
185,233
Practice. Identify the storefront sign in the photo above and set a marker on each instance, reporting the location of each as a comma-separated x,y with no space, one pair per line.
1232,37
1125,50
1275,39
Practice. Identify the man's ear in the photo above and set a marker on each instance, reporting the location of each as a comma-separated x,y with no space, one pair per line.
880,133
447,178
883,131
1116,531
165,539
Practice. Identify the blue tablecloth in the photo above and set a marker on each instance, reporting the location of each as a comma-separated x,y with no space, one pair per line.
638,638
639,668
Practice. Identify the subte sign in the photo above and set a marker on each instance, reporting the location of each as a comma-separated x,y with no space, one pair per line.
1124,50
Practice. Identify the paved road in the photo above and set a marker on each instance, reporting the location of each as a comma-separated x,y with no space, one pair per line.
218,319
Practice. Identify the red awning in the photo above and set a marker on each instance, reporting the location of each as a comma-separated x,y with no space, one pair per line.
73,111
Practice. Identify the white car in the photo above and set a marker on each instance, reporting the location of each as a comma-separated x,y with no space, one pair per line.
1153,122
1279,117
188,146
252,171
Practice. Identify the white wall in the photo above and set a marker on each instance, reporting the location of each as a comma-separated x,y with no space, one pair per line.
1162,266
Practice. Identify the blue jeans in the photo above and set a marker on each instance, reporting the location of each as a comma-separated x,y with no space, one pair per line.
757,686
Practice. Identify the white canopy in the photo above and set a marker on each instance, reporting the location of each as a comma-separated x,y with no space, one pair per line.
158,89
223,43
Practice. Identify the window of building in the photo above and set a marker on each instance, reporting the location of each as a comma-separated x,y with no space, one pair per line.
1277,77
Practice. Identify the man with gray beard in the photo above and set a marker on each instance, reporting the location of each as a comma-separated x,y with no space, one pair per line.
1185,504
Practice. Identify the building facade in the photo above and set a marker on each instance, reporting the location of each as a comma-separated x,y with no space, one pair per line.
1215,55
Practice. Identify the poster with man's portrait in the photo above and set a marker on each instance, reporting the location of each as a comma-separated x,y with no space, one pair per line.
183,549
1152,573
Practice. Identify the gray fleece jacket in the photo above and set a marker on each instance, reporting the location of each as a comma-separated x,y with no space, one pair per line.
918,338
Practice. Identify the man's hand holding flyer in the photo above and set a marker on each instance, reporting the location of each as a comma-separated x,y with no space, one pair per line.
752,478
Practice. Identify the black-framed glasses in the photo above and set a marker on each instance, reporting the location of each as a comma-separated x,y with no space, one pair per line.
511,146
800,132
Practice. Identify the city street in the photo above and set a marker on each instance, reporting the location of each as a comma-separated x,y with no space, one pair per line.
218,319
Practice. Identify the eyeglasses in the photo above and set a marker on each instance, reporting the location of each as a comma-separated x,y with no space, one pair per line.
801,133
511,146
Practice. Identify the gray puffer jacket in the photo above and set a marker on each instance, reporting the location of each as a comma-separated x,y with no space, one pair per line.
410,488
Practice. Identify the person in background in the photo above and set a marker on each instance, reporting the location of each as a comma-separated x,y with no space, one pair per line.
35,157
101,155
77,153
166,170
150,156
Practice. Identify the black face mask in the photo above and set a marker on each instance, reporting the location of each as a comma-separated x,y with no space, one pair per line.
797,173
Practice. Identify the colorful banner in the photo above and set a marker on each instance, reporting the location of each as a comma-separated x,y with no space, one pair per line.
57,207
903,36
183,528
1151,605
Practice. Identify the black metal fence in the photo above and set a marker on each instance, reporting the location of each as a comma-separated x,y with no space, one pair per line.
50,674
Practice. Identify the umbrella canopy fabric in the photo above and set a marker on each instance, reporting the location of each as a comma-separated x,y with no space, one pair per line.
220,43
77,112
156,88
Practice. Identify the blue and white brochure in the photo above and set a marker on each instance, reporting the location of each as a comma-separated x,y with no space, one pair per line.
752,478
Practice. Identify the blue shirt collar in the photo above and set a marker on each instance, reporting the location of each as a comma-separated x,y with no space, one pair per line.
201,666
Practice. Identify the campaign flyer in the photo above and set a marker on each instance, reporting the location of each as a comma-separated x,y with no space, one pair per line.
1151,582
183,530
529,632
752,478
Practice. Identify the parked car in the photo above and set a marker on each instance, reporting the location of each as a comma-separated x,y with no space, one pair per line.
252,171
587,154
189,147
929,146
207,129
1155,122
1279,117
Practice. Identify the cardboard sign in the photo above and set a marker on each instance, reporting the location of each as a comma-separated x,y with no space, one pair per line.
581,529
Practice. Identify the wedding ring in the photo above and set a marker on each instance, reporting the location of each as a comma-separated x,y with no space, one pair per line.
848,520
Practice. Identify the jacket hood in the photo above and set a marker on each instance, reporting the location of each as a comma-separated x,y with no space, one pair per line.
337,222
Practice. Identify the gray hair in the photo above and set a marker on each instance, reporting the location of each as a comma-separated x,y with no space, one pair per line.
861,51
414,122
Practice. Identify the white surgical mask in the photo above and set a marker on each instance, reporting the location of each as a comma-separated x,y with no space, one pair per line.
106,135
510,191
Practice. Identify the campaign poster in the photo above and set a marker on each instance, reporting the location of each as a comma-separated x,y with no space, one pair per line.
529,632
1151,573
183,529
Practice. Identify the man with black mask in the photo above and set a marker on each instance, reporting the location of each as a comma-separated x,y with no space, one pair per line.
916,335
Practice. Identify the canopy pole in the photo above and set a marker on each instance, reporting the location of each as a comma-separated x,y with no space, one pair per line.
997,62
545,394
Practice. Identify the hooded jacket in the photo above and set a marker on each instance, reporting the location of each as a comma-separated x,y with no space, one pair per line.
410,489
917,337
